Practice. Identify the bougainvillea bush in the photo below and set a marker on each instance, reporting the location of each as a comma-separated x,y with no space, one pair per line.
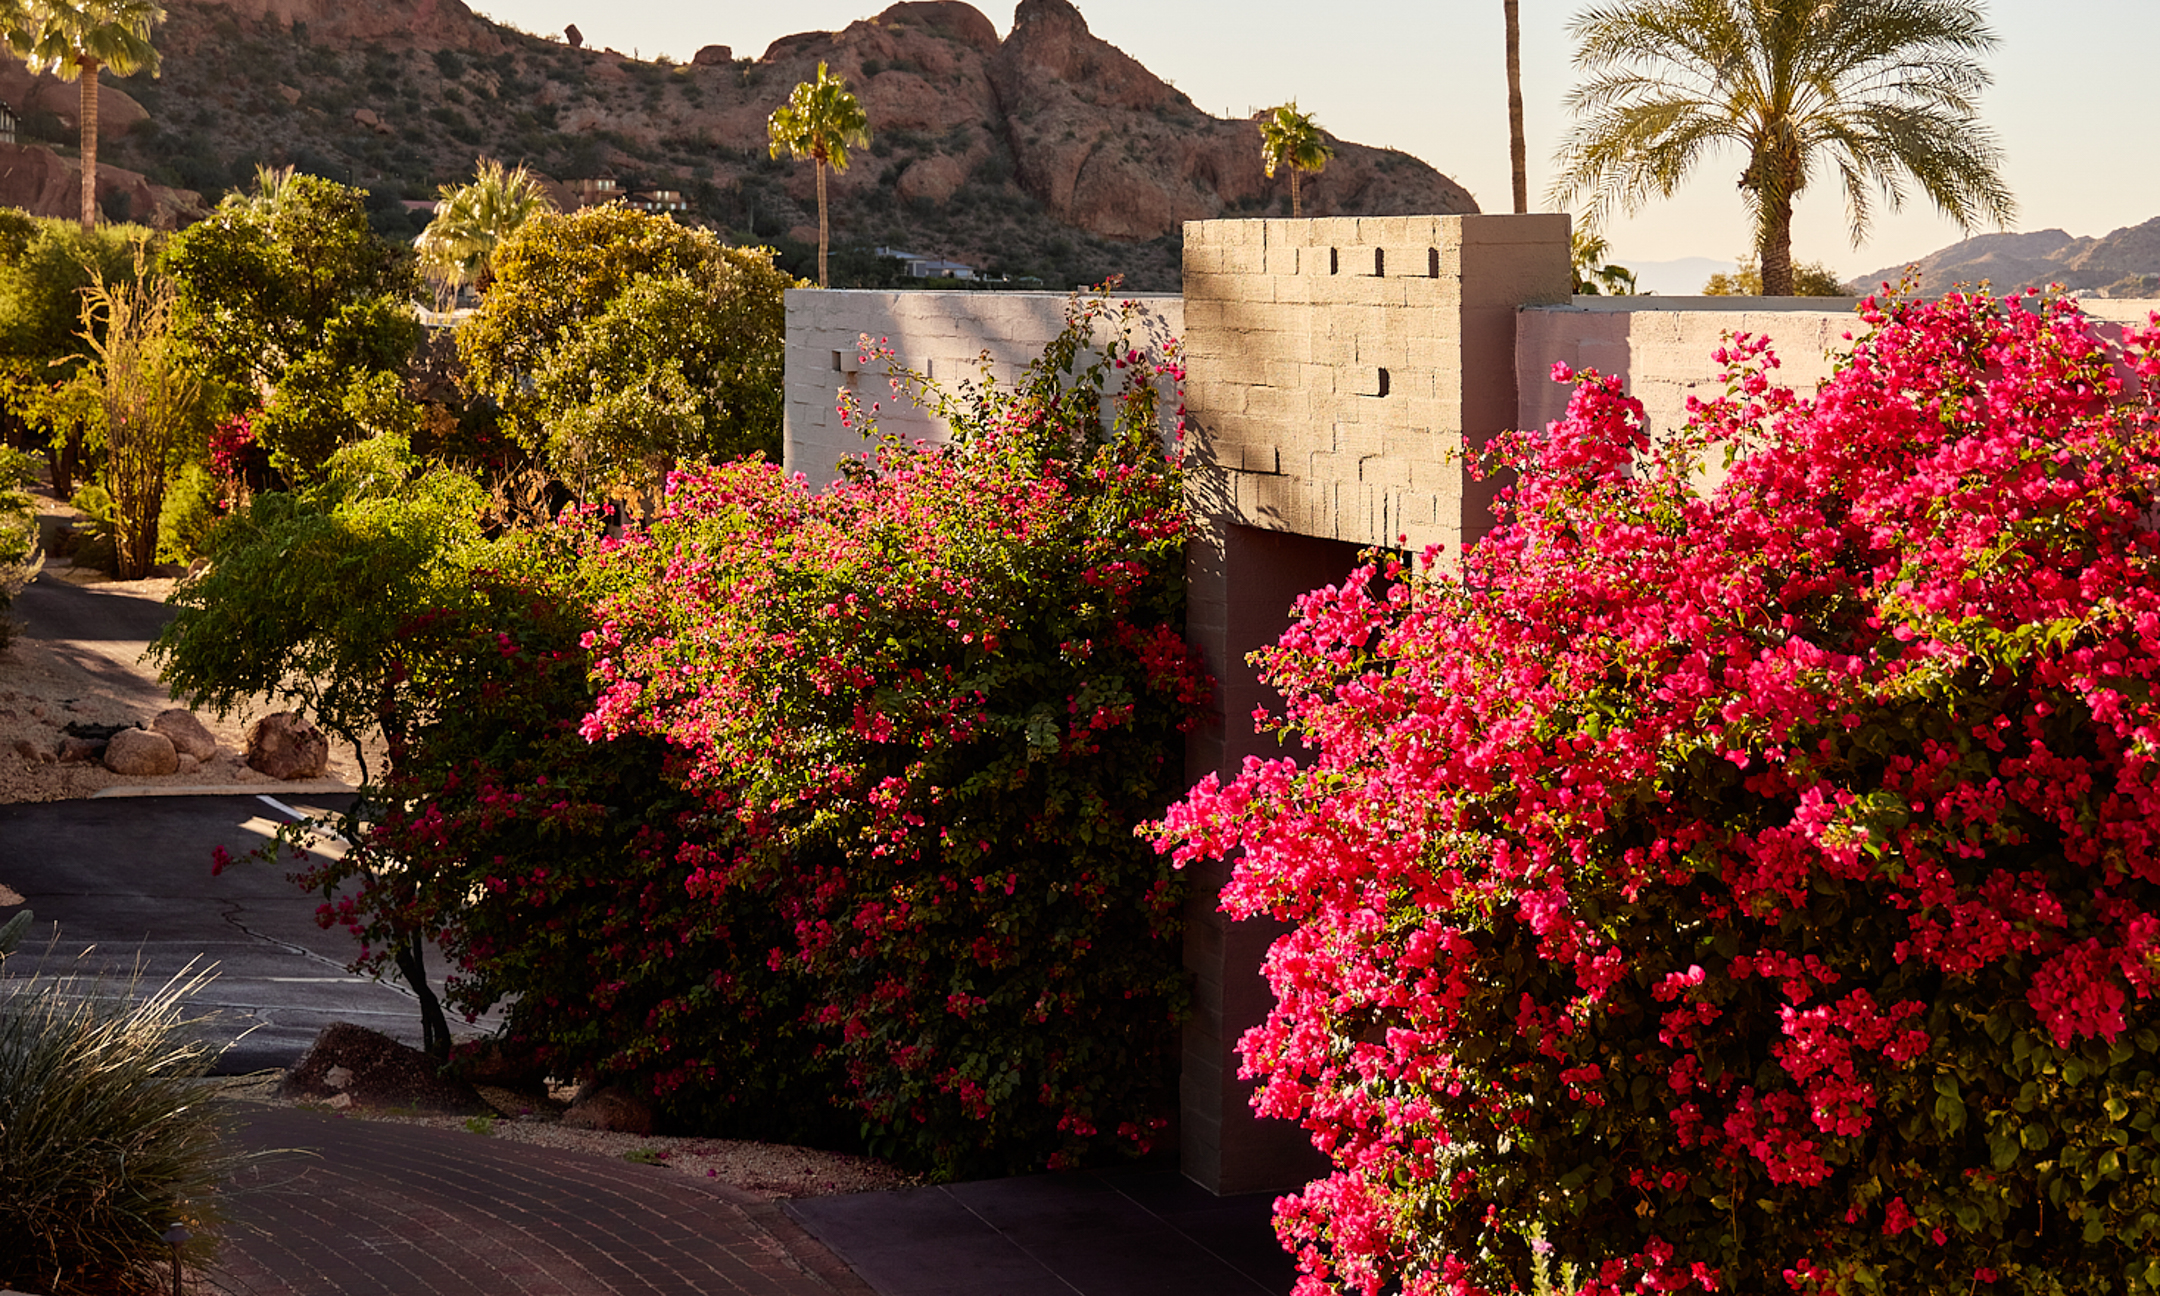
931,703
1744,887
847,832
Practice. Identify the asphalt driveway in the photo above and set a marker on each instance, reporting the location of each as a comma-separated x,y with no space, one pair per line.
125,880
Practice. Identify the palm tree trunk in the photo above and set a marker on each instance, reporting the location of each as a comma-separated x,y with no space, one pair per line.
88,77
1296,209
824,280
1518,150
1776,248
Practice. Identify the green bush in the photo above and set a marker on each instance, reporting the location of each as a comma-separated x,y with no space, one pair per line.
19,556
93,540
105,1140
194,505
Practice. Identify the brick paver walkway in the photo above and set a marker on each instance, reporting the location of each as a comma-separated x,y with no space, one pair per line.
385,1209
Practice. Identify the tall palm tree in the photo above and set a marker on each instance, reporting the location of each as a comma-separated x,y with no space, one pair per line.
1518,151
73,39
1290,138
821,121
1877,91
459,244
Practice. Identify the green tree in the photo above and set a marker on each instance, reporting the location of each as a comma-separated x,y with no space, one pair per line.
73,39
1878,91
821,121
1809,279
287,293
617,342
471,219
311,597
1291,138
45,267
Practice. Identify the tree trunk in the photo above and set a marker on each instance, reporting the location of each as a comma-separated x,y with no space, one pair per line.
434,1027
1775,252
1297,210
88,76
1518,150
824,280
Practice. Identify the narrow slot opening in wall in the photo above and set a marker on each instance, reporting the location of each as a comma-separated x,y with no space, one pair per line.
1379,263
1382,384
837,366
1432,263
1334,265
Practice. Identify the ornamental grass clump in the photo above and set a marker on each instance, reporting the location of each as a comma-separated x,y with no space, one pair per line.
1742,889
106,1140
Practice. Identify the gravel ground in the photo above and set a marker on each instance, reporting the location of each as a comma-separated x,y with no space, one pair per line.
770,1170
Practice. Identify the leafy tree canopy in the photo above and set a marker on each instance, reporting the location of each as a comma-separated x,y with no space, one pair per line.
1809,279
617,342
289,293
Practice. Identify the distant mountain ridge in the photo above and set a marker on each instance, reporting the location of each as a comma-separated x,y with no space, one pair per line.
2125,263
1048,153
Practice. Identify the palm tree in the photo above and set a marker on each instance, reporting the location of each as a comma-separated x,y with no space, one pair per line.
821,121
72,39
1289,137
1876,90
459,244
1518,151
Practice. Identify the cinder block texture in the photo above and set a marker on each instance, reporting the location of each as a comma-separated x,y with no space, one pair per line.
949,337
1662,347
1329,358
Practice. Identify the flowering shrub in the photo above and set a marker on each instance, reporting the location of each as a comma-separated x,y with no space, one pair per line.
1742,889
928,705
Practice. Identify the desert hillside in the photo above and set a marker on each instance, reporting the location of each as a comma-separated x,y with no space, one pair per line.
1049,153
2125,263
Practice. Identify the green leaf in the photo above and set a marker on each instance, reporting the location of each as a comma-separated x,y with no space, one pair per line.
1949,1113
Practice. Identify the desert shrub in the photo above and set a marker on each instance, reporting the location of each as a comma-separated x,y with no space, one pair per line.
105,1140
1747,889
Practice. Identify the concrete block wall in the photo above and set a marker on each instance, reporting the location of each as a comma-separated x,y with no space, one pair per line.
1662,345
944,335
1336,366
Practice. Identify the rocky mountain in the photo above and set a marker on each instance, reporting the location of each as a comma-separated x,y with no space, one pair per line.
2125,263
1050,153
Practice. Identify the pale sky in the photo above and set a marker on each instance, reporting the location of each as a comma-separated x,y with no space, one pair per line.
2072,104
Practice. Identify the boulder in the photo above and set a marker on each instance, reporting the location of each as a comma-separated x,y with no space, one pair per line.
369,1069
190,736
575,37
366,117
610,1107
713,56
284,746
933,179
288,94
141,753
73,749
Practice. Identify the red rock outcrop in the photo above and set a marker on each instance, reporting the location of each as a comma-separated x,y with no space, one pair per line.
43,183
967,126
